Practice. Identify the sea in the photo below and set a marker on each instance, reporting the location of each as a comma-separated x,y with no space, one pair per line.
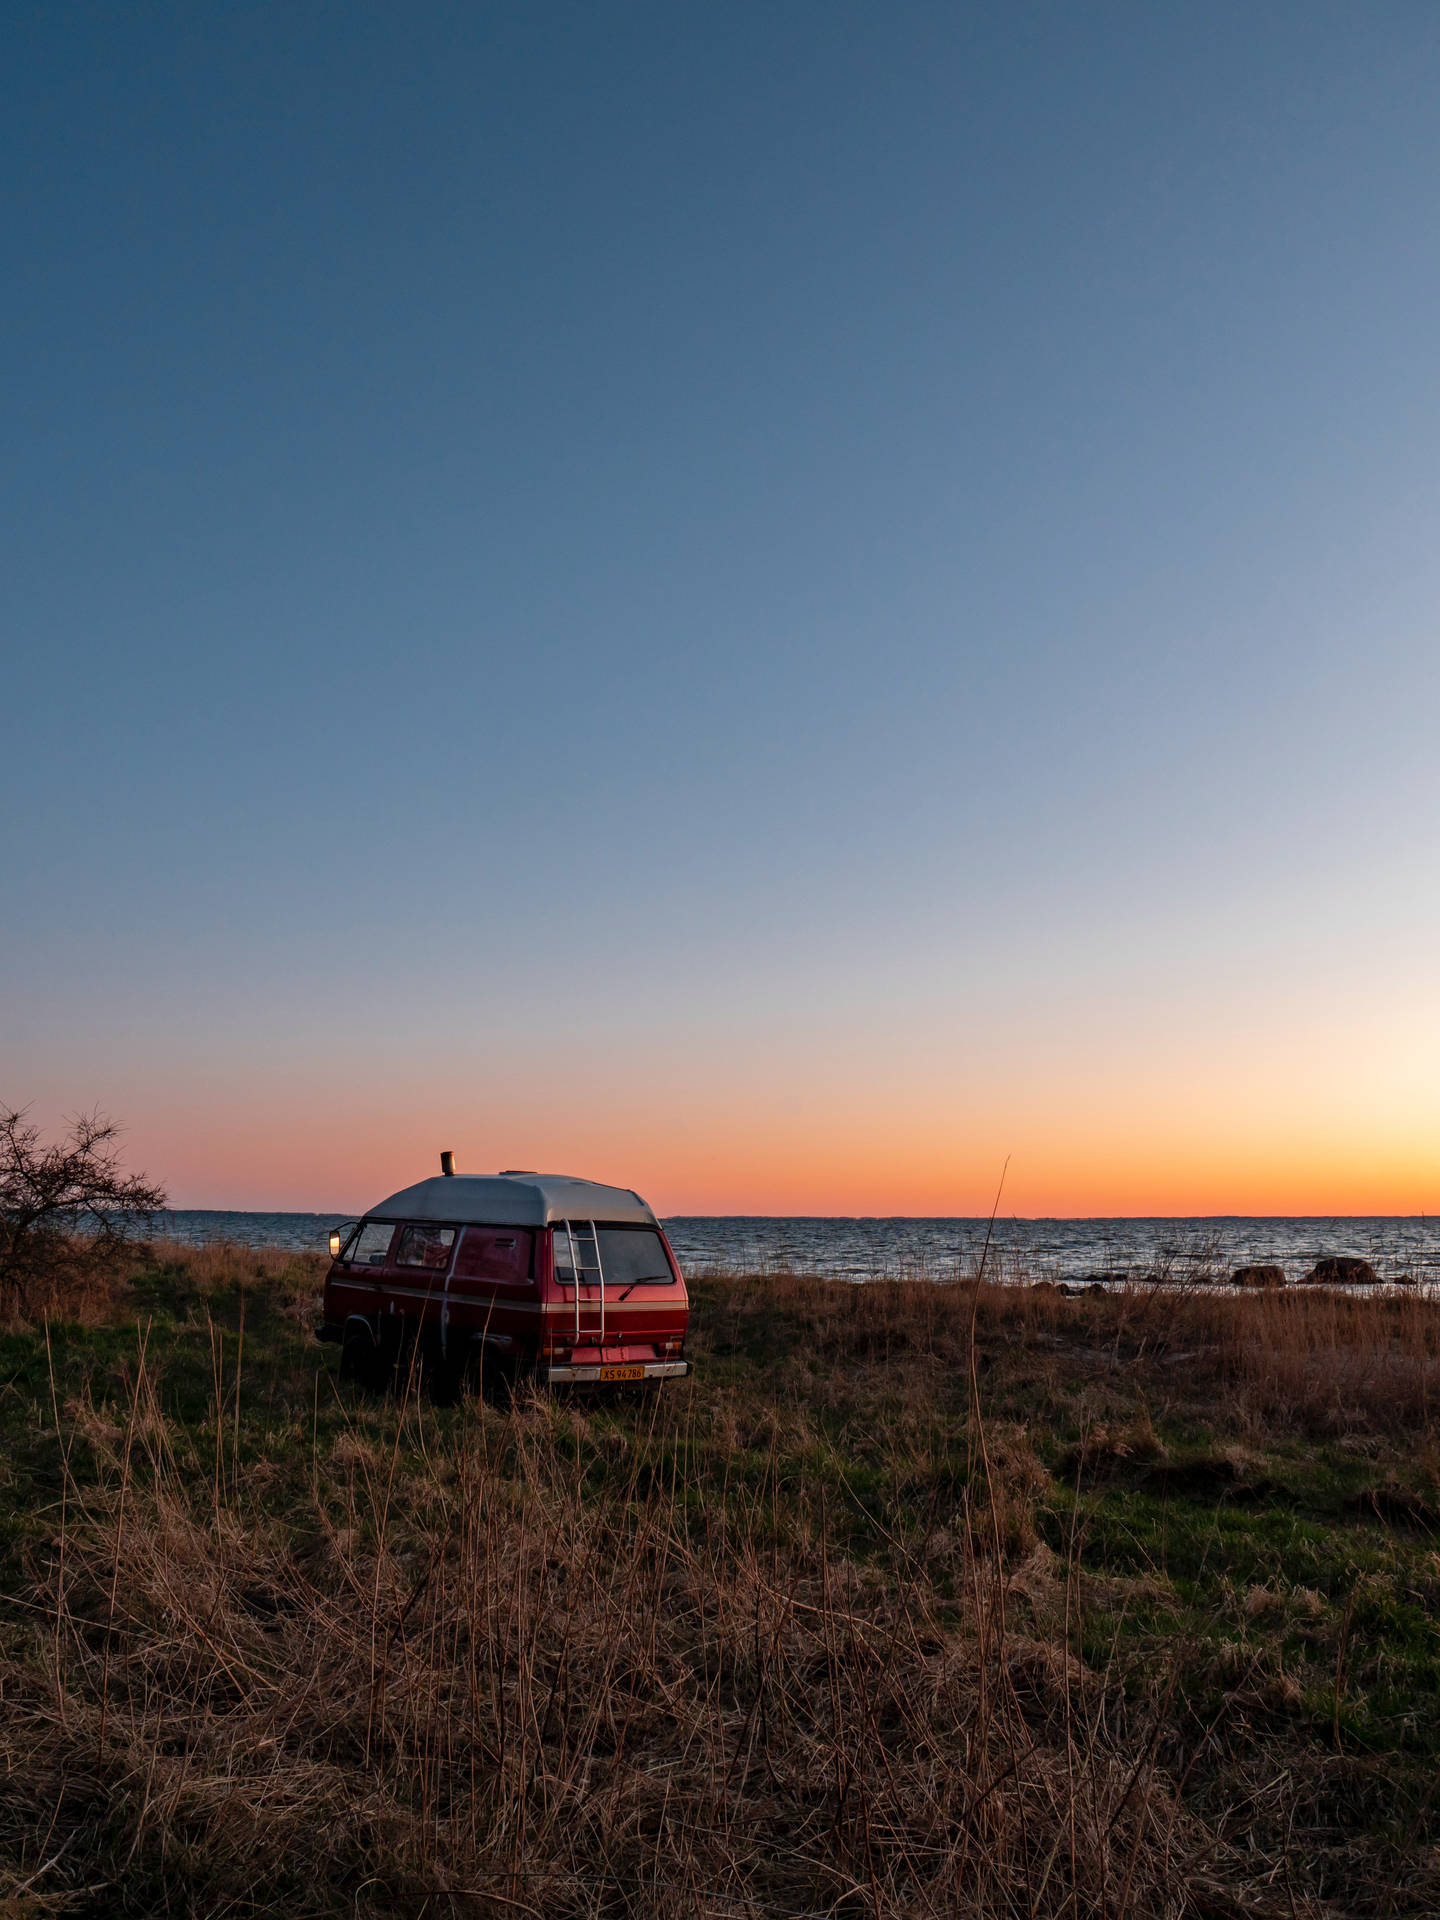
1095,1252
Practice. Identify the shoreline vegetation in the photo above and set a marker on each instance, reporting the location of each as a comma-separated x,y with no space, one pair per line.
916,1599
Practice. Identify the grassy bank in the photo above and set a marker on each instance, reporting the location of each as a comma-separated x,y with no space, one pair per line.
916,1600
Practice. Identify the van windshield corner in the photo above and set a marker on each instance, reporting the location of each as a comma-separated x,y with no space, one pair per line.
370,1243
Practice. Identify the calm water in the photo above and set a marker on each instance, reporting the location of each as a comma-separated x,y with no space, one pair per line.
931,1248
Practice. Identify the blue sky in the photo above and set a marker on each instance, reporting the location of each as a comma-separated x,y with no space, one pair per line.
753,597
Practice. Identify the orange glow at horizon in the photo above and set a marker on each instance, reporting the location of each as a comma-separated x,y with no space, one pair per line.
699,1165
1144,1110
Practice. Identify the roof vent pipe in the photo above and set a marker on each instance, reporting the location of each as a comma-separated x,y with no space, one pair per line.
447,1163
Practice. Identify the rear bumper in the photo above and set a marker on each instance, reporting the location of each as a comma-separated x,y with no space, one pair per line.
553,1376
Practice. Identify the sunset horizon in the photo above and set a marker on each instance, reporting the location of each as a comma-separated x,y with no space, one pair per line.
783,615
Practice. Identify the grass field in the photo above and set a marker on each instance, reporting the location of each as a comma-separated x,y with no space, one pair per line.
916,1600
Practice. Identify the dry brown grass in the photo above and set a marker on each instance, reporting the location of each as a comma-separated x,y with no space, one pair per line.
567,1660
512,1691
1312,1360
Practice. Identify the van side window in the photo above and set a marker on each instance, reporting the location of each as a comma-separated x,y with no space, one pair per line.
372,1244
495,1253
427,1247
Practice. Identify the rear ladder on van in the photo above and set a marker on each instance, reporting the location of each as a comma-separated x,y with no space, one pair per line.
583,1239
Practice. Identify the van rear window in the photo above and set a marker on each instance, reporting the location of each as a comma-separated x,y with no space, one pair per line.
575,1246
629,1256
427,1247
632,1255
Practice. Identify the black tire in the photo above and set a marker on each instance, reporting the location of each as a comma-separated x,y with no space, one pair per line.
441,1375
362,1360
497,1375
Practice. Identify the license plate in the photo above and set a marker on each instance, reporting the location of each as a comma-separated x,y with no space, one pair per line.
622,1373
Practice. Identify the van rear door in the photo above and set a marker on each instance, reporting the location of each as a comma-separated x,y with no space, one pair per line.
623,1278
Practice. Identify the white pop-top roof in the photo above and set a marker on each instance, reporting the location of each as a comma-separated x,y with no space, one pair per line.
513,1200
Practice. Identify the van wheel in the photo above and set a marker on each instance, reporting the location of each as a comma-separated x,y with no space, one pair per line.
494,1374
442,1376
362,1360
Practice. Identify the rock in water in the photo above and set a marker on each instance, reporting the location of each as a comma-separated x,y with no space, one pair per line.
1342,1270
1258,1277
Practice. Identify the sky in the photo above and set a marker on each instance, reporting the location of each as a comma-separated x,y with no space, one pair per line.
784,605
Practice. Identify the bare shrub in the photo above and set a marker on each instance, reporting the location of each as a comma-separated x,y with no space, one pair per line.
68,1213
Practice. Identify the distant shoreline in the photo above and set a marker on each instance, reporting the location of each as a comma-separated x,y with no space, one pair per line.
1087,1251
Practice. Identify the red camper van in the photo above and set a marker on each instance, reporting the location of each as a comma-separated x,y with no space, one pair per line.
505,1277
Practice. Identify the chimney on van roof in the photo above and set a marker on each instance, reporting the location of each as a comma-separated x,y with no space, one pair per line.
447,1163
